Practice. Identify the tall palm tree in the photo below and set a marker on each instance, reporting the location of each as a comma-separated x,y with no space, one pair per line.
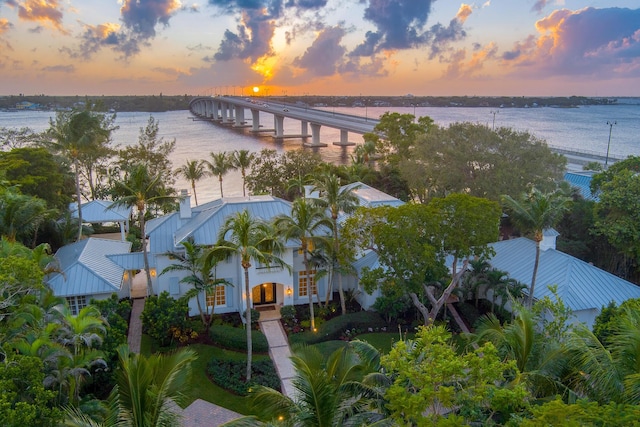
77,134
141,189
309,224
201,269
220,164
242,159
252,240
344,389
337,199
533,213
193,170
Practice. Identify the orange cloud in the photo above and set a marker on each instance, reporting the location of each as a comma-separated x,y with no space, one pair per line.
43,11
463,13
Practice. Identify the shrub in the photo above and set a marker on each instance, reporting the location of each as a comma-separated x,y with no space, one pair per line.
236,338
335,328
288,315
255,316
230,374
161,313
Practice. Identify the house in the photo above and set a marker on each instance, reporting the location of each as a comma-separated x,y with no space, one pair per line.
87,272
582,182
584,288
103,211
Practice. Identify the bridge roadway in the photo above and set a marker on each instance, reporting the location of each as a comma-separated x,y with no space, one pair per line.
230,110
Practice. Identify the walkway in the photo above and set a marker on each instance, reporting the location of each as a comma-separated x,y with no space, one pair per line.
135,325
279,350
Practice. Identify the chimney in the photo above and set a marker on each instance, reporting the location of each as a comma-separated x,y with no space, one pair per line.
185,204
548,239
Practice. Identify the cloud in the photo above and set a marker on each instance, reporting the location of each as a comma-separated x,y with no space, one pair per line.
252,39
48,12
463,13
539,5
60,68
5,25
399,22
325,55
567,44
96,37
142,16
459,67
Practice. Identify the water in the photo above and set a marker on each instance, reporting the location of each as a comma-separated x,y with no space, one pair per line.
582,129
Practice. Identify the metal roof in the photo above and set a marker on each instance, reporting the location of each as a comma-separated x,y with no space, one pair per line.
580,285
582,181
132,260
86,268
371,197
98,211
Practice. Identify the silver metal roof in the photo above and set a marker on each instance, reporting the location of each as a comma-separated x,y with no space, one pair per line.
371,197
86,268
132,260
98,211
582,181
580,285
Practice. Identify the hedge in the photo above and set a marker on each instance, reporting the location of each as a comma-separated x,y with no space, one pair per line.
333,329
230,374
236,338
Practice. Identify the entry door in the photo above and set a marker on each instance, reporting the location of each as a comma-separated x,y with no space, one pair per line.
264,294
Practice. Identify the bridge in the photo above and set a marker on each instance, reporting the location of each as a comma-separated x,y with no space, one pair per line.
230,110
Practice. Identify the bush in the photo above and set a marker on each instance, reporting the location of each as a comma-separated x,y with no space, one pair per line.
230,374
335,328
236,338
288,315
255,316
162,313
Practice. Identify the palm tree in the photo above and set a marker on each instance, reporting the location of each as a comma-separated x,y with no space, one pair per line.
305,223
242,159
337,199
220,164
21,215
202,278
77,134
343,389
193,170
140,189
534,213
252,240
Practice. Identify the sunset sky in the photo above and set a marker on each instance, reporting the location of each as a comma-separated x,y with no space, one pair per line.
323,47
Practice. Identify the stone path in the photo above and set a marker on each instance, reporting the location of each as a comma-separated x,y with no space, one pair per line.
280,353
135,325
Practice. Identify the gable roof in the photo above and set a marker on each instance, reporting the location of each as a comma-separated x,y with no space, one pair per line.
581,285
97,211
86,269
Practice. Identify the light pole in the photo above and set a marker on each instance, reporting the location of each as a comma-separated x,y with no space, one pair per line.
610,123
494,112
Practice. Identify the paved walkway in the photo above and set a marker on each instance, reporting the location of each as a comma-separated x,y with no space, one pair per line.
279,350
135,325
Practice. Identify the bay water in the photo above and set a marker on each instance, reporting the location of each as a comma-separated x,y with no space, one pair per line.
579,129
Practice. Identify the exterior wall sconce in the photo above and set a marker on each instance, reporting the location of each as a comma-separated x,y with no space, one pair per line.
152,272
289,291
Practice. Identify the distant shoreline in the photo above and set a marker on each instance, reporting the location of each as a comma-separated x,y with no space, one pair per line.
161,103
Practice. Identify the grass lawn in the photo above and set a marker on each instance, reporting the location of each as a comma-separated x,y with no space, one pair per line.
383,341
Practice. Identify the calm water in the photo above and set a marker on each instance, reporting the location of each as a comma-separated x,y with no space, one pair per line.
583,129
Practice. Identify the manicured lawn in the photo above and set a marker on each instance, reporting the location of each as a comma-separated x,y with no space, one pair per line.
383,341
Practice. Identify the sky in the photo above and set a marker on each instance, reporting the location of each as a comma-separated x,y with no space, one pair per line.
320,47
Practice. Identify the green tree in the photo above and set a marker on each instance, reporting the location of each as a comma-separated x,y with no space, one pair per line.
141,189
474,159
161,313
220,164
430,378
21,215
309,224
533,213
243,159
344,388
192,171
201,277
252,240
38,173
83,137
336,199
11,138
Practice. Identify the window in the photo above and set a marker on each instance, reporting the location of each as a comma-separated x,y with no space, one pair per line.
303,283
77,303
310,248
220,296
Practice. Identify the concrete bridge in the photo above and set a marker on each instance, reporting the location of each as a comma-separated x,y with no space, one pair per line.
230,111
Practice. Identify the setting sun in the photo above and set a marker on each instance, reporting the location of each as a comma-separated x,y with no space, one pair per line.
256,89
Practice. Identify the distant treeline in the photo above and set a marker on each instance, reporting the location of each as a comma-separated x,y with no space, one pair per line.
156,103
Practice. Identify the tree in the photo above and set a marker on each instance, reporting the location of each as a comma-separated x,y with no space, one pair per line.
21,215
252,240
82,136
309,224
336,199
11,138
473,159
192,171
202,278
533,213
221,163
141,189
243,159
342,389
432,381
38,173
